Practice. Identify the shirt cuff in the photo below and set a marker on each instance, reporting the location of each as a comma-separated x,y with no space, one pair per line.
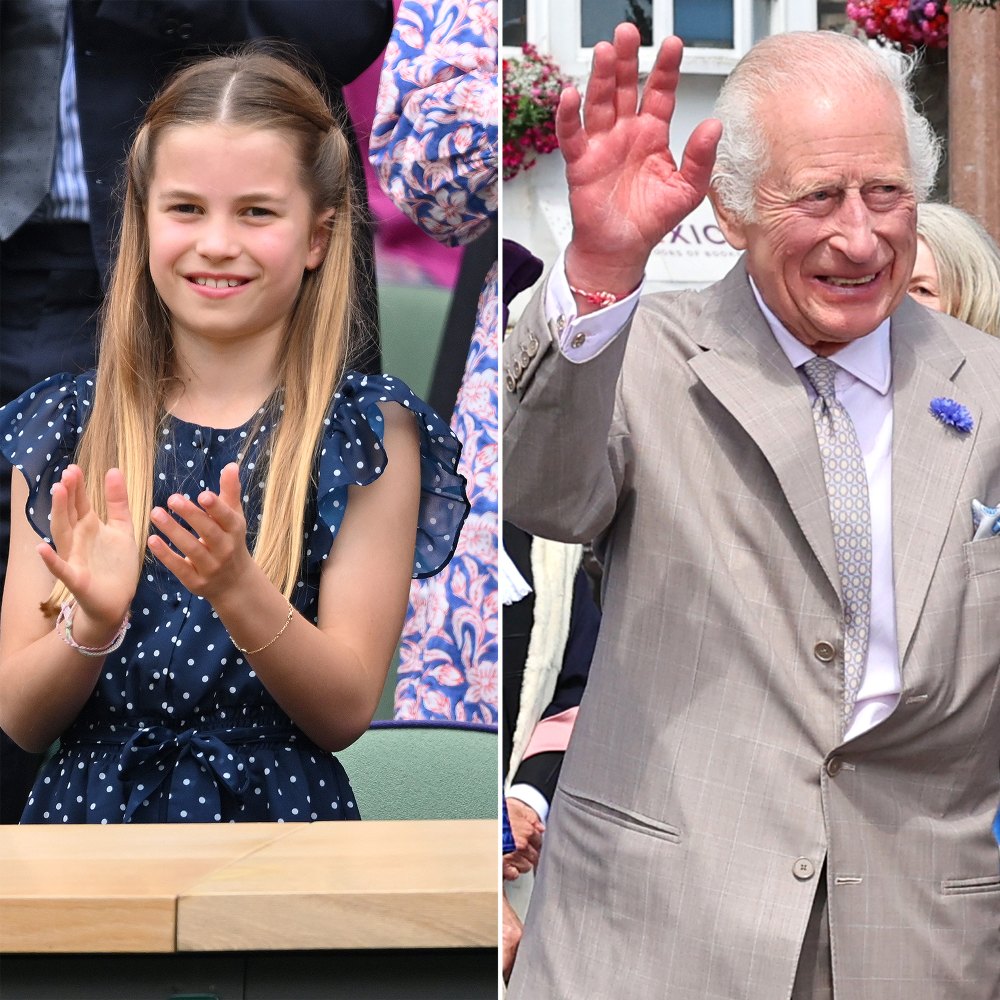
512,585
582,338
530,796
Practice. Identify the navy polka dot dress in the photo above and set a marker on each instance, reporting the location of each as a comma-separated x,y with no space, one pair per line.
179,728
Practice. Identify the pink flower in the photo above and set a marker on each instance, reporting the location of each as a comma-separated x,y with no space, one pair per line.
462,139
531,89
477,103
484,18
436,703
410,657
482,678
449,207
446,675
479,537
486,483
489,453
478,395
406,708
905,24
458,581
430,605
490,612
388,92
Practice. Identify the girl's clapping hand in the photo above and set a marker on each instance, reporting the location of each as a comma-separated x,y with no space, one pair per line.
97,560
211,556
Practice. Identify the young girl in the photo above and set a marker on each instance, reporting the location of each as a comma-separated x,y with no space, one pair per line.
232,515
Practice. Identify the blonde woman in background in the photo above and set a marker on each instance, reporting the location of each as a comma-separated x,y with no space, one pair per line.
957,270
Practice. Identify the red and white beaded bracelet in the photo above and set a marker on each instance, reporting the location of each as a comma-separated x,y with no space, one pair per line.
601,299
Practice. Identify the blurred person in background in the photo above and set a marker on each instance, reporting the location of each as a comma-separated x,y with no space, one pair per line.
957,270
434,146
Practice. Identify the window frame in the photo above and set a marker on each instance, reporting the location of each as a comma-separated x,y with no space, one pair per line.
553,26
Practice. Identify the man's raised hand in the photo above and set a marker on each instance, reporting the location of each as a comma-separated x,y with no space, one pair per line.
626,192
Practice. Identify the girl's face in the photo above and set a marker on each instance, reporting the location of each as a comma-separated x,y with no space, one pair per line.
925,287
231,231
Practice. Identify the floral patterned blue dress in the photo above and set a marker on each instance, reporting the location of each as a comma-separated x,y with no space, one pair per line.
178,727
434,148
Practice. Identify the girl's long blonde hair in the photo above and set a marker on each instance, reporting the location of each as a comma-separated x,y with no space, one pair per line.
254,88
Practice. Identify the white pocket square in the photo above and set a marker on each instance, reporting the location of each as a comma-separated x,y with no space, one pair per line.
985,520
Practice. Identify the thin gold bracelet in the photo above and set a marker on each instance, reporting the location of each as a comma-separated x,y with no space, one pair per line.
253,652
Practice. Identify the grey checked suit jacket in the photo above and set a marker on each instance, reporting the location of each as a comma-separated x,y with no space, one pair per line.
706,785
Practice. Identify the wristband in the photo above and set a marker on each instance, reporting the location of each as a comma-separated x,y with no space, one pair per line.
66,620
601,299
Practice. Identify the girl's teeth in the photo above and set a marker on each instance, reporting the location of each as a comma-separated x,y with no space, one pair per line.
217,283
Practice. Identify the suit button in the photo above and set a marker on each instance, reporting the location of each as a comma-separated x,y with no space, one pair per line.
824,652
579,340
510,382
533,346
525,358
517,368
833,766
803,869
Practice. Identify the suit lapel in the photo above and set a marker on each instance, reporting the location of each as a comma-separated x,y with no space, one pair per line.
928,459
747,372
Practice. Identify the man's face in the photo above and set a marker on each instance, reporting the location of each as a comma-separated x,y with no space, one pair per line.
833,243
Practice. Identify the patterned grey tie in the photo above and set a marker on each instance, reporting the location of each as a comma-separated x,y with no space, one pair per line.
33,32
847,492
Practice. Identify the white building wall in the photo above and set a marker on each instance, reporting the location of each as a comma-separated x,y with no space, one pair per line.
534,206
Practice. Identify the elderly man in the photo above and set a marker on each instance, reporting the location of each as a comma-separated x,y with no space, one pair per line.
786,764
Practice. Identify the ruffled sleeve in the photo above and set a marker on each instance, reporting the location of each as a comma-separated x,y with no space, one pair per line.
353,454
39,432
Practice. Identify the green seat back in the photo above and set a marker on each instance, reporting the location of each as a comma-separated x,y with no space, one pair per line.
420,770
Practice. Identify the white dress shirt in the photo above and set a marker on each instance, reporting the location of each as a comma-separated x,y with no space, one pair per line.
863,384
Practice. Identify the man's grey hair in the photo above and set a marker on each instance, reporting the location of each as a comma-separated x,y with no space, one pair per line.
785,63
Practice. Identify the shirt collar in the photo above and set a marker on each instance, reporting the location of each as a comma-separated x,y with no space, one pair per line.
868,358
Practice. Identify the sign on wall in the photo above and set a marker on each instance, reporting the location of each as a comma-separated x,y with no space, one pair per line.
692,255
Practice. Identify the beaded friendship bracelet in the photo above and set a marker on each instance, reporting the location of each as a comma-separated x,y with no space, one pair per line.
66,620
601,299
260,649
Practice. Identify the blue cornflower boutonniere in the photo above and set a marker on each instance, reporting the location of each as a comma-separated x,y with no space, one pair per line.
952,414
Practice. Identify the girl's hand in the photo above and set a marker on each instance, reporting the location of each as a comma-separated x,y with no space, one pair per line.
213,554
97,560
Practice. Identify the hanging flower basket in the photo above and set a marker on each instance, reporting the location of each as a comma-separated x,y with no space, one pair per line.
531,89
905,24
